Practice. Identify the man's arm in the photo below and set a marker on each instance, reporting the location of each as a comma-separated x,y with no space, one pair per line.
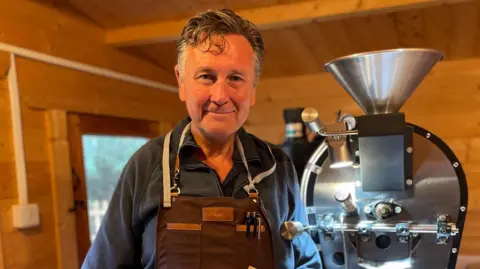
114,244
305,250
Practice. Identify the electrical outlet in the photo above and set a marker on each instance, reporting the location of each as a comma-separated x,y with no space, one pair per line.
26,216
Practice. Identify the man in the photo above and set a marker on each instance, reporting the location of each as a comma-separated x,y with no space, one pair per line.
209,194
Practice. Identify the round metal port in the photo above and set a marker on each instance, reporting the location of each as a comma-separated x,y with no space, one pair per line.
383,241
338,258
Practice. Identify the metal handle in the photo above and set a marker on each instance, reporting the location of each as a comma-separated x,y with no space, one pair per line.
291,229
345,198
311,119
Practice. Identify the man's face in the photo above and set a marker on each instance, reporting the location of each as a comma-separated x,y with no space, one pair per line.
218,88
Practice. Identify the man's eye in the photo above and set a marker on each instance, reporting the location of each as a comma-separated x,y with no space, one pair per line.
205,76
236,78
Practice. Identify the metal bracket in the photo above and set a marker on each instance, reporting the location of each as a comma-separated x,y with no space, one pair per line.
443,229
403,232
383,209
313,220
327,222
365,231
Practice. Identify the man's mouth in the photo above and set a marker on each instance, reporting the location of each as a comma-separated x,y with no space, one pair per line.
220,112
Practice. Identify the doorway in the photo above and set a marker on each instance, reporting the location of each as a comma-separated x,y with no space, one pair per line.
99,148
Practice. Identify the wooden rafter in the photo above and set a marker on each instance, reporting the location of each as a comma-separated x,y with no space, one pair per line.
269,17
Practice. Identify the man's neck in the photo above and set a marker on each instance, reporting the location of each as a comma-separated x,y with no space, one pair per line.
214,148
216,153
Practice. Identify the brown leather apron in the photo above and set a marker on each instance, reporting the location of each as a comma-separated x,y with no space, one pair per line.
212,232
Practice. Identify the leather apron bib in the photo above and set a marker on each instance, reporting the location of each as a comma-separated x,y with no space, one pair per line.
211,232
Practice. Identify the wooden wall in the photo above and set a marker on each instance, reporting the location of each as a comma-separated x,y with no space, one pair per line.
34,247
447,103
64,33
44,87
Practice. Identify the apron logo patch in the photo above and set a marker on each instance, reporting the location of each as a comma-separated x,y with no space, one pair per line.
217,214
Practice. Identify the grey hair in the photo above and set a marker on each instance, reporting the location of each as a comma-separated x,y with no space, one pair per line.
209,24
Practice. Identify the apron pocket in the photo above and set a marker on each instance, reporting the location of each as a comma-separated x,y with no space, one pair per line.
183,241
252,251
219,251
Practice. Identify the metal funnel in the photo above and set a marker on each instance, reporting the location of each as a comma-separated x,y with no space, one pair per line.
381,81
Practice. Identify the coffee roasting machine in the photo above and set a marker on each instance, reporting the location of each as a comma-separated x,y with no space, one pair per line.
381,192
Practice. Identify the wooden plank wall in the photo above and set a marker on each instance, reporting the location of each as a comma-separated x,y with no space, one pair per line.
62,191
447,103
34,247
7,189
44,87
85,93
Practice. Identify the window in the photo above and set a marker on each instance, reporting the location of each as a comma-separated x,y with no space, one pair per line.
100,147
104,158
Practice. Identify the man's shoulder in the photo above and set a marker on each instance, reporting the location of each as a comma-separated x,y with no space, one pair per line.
143,163
278,154
151,151
284,168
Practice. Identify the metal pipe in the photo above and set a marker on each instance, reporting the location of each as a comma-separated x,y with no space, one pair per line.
292,229
334,133
387,227
18,147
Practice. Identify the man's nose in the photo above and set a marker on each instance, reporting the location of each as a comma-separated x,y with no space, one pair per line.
219,92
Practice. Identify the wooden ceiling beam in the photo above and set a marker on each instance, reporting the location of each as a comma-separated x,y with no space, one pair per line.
270,17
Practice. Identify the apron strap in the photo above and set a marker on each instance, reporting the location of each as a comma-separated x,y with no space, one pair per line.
270,171
167,189
251,186
166,171
182,138
258,178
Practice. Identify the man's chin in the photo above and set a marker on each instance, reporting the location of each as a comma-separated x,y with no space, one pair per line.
219,128
220,116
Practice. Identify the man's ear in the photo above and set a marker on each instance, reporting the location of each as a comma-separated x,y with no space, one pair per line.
181,90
